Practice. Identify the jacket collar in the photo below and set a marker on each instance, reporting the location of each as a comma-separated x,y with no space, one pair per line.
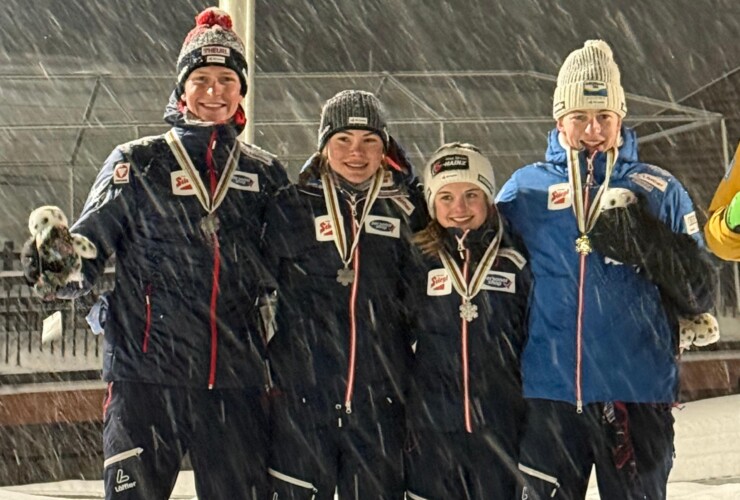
557,155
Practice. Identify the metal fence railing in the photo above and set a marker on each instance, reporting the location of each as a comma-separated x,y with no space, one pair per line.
21,320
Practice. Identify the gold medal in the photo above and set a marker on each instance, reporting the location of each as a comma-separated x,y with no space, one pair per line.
583,245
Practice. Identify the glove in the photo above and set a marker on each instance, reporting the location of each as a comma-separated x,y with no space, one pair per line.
700,330
51,258
732,214
627,232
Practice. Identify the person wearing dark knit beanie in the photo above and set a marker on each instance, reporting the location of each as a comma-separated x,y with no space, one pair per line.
338,243
184,355
618,261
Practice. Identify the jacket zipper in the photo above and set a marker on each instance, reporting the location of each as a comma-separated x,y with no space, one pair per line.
148,323
465,360
352,312
216,267
581,291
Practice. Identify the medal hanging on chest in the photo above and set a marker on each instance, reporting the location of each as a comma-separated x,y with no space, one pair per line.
468,311
586,211
469,289
345,274
209,224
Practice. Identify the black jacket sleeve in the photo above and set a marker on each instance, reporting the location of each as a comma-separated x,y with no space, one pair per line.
673,261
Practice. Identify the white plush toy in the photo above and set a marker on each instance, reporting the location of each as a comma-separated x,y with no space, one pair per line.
60,252
700,330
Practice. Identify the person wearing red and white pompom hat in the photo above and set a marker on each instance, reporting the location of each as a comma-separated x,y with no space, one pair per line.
183,353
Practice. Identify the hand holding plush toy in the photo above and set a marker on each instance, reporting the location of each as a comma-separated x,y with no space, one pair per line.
51,258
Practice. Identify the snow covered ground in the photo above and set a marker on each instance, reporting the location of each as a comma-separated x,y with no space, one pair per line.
707,465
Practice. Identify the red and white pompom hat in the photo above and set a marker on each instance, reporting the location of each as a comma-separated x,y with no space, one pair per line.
212,43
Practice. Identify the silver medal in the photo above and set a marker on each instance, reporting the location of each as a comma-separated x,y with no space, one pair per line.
209,224
345,276
468,311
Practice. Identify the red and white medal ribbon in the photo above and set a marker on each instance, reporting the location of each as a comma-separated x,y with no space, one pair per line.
468,290
586,219
345,275
186,163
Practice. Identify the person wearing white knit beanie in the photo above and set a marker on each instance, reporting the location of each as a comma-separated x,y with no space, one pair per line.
617,258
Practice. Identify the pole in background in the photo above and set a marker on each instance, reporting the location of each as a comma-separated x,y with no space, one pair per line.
242,14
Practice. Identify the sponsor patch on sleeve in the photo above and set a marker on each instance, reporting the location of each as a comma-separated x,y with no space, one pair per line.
383,226
181,184
245,181
649,182
691,223
257,153
121,173
558,196
498,281
324,230
404,204
514,256
438,283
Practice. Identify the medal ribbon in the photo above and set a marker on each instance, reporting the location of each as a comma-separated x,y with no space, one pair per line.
332,205
469,290
186,163
586,221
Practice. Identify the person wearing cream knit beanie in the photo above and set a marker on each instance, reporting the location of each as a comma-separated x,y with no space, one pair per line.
617,258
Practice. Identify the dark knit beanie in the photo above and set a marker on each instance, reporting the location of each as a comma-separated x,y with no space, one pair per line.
352,109
211,43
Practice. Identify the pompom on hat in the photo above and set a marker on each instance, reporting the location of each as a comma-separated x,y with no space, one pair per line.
589,79
352,109
211,43
458,162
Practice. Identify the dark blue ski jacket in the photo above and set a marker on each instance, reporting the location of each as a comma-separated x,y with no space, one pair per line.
183,308
335,344
466,376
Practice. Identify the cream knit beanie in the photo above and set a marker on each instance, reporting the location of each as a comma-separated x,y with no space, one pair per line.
458,162
589,79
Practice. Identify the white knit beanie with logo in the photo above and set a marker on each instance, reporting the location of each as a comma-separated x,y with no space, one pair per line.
458,162
589,79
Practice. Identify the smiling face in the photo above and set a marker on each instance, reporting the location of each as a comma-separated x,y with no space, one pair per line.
355,154
461,204
597,131
212,93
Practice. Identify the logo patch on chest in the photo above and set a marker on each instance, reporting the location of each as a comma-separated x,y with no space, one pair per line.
438,283
383,226
181,184
244,181
324,230
498,281
558,196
